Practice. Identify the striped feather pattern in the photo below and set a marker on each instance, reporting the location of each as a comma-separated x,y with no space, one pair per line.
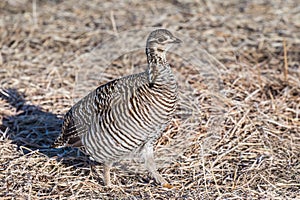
120,117
124,121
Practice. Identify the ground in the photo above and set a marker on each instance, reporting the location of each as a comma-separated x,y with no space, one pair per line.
237,131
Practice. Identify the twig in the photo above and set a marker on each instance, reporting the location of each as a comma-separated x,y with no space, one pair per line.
285,70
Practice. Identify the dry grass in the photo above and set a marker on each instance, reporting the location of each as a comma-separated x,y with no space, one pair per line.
237,132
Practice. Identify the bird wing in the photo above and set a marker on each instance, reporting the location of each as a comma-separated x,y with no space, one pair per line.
78,119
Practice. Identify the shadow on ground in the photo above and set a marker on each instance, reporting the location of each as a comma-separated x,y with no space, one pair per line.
33,129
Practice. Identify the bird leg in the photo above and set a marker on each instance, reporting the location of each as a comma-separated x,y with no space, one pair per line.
148,156
107,175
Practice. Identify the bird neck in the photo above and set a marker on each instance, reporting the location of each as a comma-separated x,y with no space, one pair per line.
156,56
158,68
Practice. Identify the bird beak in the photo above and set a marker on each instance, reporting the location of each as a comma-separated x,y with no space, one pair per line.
176,40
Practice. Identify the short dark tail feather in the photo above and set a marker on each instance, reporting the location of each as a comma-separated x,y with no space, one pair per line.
70,134
59,142
74,142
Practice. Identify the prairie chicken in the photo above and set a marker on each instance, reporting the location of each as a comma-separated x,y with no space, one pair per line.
127,115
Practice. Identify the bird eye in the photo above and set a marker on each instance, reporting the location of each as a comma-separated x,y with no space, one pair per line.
160,39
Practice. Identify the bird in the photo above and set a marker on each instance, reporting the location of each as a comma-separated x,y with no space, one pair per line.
127,115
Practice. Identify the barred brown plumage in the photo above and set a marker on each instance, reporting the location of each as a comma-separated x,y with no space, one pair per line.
127,115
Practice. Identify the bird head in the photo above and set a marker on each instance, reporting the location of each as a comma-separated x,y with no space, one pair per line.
161,40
